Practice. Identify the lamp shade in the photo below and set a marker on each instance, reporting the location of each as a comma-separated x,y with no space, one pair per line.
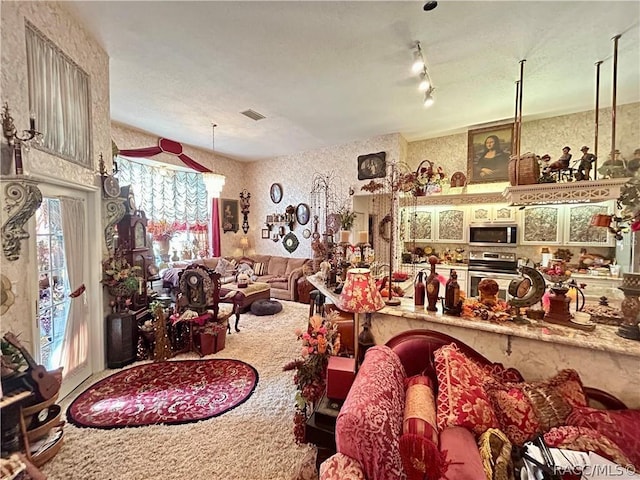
359,293
244,242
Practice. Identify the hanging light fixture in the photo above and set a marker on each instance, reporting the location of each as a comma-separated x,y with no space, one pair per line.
213,181
420,67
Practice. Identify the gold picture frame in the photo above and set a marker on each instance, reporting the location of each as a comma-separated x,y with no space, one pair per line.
489,149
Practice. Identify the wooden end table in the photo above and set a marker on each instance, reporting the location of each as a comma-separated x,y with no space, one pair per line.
321,428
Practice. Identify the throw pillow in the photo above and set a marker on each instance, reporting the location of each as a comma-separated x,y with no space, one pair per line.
462,400
259,268
620,426
525,409
419,440
223,266
586,440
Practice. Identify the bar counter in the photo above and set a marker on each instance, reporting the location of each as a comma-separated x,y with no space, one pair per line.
602,358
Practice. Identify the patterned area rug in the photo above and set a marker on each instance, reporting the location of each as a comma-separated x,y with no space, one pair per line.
164,393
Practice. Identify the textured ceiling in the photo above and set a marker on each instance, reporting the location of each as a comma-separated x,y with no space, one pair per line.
326,73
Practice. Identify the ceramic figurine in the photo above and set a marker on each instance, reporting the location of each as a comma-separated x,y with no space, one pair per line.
585,165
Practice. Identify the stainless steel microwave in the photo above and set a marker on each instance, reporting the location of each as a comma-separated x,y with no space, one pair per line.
492,234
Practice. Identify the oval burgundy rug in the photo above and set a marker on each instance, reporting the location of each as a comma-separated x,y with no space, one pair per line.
170,393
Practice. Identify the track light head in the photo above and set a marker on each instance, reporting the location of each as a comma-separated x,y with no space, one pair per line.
428,97
425,84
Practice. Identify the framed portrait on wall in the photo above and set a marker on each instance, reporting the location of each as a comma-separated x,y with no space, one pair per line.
229,215
373,165
489,152
265,233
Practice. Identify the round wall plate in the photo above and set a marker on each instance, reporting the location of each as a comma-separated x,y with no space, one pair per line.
306,233
290,242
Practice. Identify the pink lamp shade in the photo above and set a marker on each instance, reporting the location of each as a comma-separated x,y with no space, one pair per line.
359,293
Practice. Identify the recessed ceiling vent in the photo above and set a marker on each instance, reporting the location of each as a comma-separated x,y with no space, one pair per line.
253,115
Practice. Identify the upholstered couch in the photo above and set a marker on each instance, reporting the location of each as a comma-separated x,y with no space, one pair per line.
369,428
281,273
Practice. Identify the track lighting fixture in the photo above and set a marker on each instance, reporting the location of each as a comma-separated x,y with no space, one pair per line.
420,67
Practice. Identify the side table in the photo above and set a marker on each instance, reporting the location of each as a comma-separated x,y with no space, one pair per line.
321,428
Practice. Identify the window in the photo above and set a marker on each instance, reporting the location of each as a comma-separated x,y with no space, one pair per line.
59,98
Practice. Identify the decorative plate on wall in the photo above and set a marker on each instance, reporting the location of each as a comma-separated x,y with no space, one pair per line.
276,192
290,242
306,233
302,213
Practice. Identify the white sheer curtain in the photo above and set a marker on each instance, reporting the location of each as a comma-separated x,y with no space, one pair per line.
59,97
76,337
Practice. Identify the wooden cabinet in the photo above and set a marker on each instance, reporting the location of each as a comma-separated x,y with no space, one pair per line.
451,224
541,225
122,339
578,229
418,224
132,242
492,213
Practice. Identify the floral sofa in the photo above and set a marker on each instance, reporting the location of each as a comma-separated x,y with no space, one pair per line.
281,273
380,434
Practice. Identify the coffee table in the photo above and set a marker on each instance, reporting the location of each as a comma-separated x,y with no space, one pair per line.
243,297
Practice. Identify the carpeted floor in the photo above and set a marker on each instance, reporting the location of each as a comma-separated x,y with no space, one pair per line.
252,442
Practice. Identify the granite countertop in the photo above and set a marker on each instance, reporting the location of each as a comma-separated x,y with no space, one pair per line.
603,338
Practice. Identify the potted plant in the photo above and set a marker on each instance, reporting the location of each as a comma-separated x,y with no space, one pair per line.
347,218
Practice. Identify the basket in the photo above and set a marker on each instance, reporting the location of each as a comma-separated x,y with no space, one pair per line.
524,170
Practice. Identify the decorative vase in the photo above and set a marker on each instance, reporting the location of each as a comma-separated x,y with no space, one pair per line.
630,306
163,246
175,257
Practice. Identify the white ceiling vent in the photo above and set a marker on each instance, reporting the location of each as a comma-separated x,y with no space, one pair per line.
253,115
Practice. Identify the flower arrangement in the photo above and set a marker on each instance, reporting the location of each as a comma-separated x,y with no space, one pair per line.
319,342
161,230
122,279
630,201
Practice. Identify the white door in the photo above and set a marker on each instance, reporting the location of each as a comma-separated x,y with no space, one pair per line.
62,246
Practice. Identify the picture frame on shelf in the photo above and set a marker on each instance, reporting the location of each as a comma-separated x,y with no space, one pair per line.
230,209
372,165
265,233
489,149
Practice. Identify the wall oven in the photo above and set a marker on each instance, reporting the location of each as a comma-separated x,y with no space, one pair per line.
499,266
489,234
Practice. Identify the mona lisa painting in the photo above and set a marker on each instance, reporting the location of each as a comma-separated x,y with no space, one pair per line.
489,152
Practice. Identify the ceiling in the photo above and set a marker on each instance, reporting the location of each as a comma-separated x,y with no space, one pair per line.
327,73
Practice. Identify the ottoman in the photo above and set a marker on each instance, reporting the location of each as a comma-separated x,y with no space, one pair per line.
242,298
266,307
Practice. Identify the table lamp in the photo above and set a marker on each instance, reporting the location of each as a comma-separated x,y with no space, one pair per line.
359,295
244,244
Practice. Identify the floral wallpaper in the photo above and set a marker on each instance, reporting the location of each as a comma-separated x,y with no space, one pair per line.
54,22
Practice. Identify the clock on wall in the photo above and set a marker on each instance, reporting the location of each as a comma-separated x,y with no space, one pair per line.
110,186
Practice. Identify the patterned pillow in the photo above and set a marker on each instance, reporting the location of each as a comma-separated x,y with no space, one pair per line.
525,409
259,268
586,440
620,426
419,440
462,400
224,267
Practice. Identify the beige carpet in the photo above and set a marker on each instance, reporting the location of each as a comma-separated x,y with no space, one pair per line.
253,442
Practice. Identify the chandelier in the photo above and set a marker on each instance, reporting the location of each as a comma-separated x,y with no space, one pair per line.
213,181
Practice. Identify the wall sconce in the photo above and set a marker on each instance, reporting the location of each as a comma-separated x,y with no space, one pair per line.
15,141
245,196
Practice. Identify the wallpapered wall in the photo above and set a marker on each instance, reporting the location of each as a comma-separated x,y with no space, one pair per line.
57,25
293,172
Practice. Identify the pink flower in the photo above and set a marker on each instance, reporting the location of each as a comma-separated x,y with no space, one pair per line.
635,226
305,351
306,336
323,330
310,349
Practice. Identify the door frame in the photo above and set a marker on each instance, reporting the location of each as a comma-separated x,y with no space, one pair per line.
94,292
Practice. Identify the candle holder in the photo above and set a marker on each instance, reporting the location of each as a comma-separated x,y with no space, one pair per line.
15,141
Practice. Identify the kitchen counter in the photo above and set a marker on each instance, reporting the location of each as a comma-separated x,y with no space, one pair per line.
539,350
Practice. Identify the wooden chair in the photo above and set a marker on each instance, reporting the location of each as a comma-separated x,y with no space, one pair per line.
198,302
